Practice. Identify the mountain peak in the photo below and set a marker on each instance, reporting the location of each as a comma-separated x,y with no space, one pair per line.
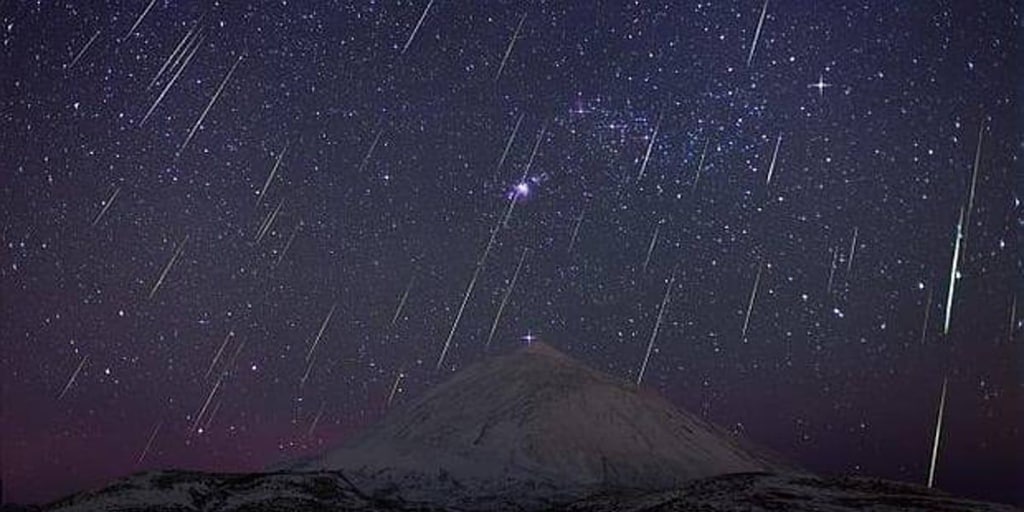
539,417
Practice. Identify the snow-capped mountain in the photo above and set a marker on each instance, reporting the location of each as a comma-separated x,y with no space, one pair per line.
538,422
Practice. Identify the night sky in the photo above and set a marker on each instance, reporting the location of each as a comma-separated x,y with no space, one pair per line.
243,277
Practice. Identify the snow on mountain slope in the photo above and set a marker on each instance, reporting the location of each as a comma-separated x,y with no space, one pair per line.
537,417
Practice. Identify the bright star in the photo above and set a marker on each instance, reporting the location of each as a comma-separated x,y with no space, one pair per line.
820,85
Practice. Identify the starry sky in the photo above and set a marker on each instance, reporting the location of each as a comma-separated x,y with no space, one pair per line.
237,233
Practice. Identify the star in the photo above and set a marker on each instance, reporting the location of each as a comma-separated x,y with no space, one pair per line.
820,85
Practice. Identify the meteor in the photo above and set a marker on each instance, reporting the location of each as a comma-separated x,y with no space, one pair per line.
953,271
650,146
83,50
938,434
73,377
750,305
775,155
757,33
320,334
650,249
273,171
149,443
106,205
700,165
508,144
508,50
657,324
504,299
167,268
209,105
394,388
139,20
417,28
401,302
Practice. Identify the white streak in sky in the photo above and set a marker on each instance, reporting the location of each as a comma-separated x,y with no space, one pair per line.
504,299
73,377
417,28
938,434
508,145
273,171
657,325
320,334
83,50
775,155
650,248
508,50
750,305
953,271
401,302
149,443
139,20
853,250
106,206
757,33
209,105
650,146
170,83
167,268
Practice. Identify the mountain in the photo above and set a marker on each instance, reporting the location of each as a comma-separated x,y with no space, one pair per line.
529,431
536,426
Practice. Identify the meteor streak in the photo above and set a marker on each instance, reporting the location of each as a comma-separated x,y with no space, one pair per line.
657,325
369,152
209,105
401,302
775,154
265,228
139,20
700,165
853,250
273,171
417,28
750,305
170,83
938,434
504,299
171,57
508,144
508,50
206,404
650,248
757,33
219,353
316,420
394,388
575,231
167,268
106,205
83,50
149,443
288,245
832,270
320,334
650,146
73,377
953,271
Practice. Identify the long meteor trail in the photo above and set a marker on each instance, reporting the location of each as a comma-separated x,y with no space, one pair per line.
84,49
106,206
650,146
757,33
149,443
750,305
504,299
320,334
167,268
953,271
775,155
938,435
170,83
73,377
171,57
508,50
273,171
401,302
472,281
657,325
650,248
139,20
508,144
209,105
417,28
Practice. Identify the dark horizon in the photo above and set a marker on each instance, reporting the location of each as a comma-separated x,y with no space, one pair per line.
241,278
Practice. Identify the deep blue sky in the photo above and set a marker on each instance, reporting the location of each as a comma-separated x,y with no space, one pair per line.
845,350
